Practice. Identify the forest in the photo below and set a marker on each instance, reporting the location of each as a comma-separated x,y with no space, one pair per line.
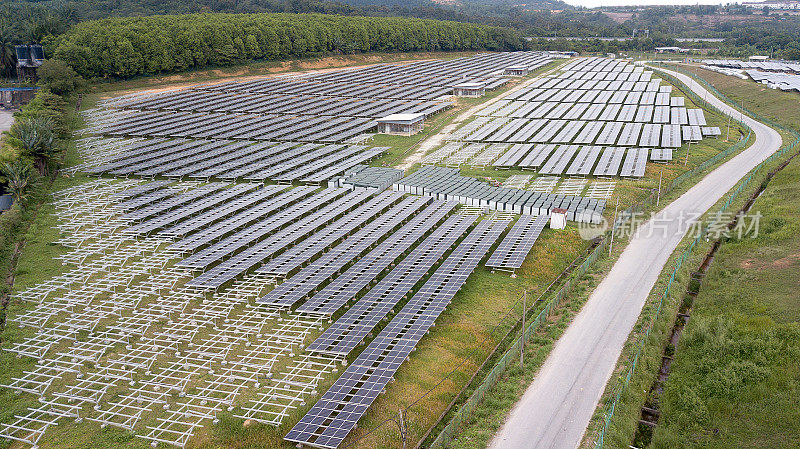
126,47
68,28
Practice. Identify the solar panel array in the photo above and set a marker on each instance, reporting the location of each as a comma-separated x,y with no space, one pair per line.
518,243
362,176
591,103
329,107
337,412
447,184
238,208
286,128
325,268
340,218
784,75
351,329
234,160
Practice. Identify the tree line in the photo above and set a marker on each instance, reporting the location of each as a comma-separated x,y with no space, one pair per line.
126,47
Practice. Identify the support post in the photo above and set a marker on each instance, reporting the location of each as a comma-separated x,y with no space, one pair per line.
660,176
613,228
686,162
402,424
522,334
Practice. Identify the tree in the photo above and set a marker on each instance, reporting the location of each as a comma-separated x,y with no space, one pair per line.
7,58
35,138
60,78
18,175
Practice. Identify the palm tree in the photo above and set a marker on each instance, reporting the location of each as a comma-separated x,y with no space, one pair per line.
35,137
18,175
8,59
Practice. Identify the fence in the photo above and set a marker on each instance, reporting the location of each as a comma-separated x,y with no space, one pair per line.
641,343
462,415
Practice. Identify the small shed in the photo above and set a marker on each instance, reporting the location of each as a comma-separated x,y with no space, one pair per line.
401,124
29,58
758,58
517,70
469,90
558,218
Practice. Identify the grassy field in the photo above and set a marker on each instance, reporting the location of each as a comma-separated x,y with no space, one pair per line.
736,377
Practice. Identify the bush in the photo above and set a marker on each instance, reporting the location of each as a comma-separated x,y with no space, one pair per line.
59,78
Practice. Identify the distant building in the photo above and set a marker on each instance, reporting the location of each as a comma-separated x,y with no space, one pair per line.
29,58
672,50
401,124
790,4
469,90
758,58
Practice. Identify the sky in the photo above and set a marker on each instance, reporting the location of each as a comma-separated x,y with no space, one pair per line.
595,3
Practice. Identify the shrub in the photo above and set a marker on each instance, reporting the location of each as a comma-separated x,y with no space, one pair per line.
59,78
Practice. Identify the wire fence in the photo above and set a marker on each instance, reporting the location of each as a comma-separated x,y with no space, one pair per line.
643,338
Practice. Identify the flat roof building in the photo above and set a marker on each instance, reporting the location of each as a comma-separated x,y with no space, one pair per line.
401,124
517,70
469,90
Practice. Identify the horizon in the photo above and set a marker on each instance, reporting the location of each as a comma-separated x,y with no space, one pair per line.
600,3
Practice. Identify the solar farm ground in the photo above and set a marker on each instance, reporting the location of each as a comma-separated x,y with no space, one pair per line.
463,336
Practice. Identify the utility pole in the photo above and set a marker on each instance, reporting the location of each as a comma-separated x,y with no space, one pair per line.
741,116
613,227
728,136
402,424
686,162
522,335
658,198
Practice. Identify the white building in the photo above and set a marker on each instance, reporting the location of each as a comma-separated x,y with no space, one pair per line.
401,124
469,90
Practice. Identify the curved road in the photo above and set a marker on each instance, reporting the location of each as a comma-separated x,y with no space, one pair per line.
556,408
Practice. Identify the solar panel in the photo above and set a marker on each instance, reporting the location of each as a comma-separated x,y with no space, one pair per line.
337,412
323,268
635,162
518,243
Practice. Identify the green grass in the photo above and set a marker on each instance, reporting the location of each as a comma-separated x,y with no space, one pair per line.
736,377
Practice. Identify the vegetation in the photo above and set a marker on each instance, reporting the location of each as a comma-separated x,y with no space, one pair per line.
736,376
628,410
128,47
59,78
18,176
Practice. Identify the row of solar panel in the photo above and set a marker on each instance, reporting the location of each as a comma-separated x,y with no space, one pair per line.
201,159
448,185
235,126
250,103
677,115
584,132
514,248
337,412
